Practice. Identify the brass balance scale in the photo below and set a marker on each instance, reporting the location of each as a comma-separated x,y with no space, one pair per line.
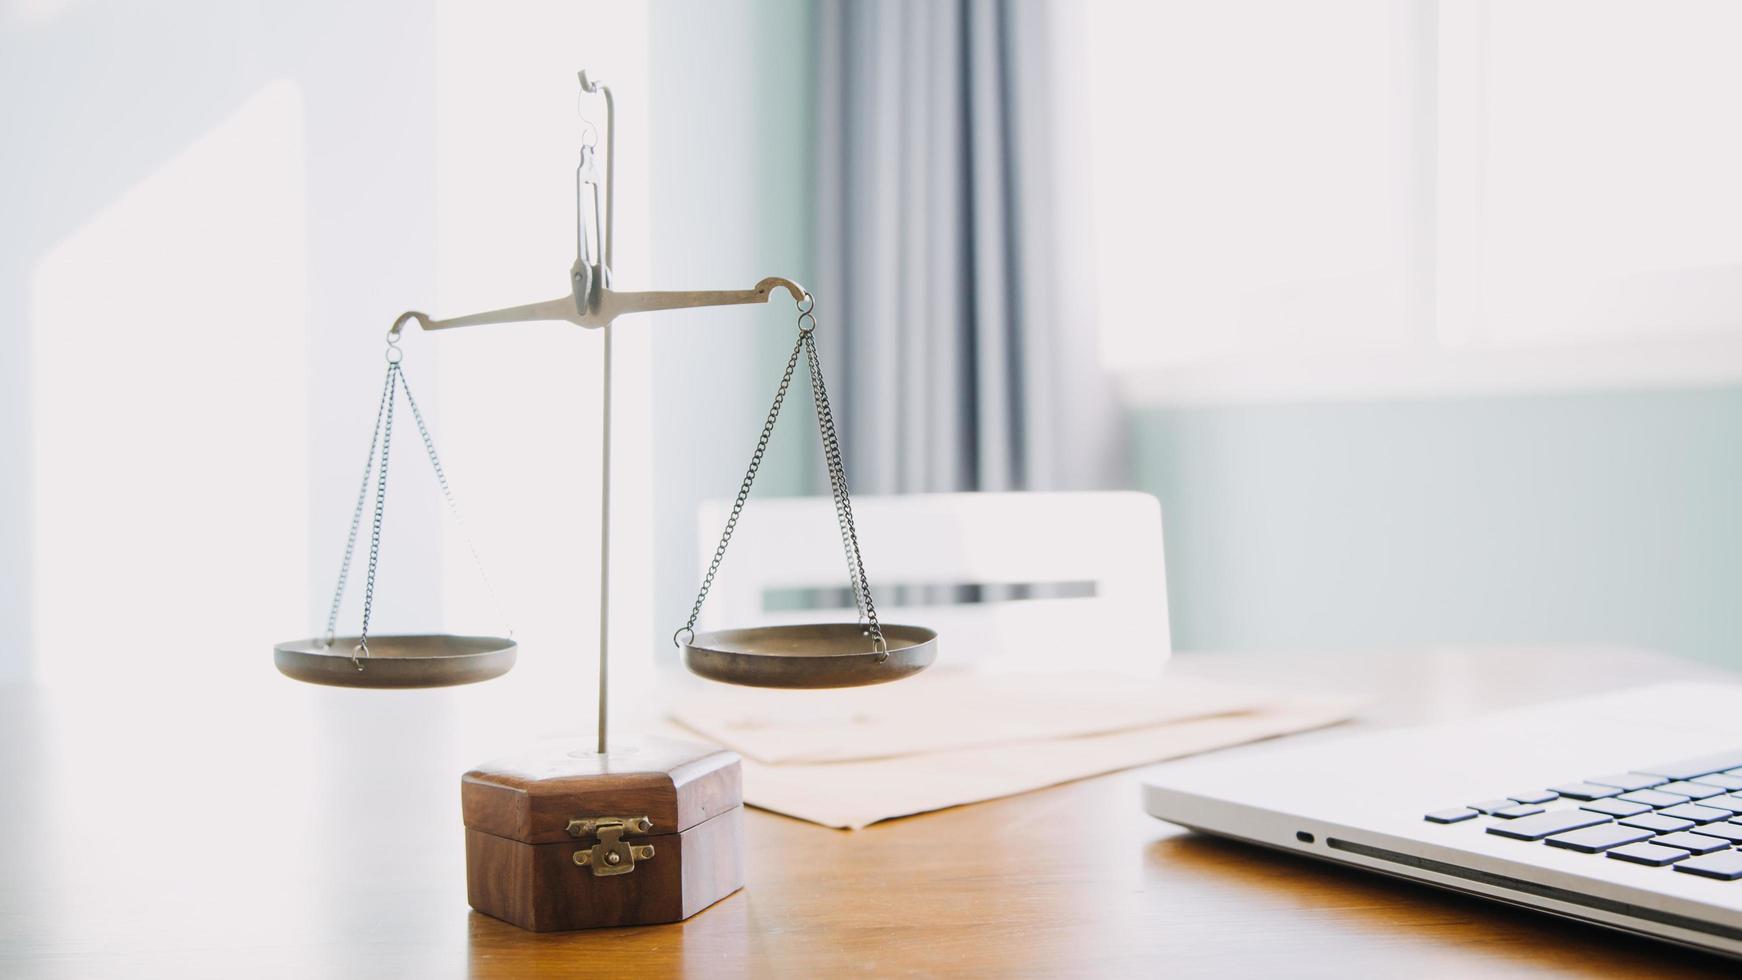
505,881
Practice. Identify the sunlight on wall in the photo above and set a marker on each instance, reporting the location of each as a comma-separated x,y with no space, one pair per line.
170,406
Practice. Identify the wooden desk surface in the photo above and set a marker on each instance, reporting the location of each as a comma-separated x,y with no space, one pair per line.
203,840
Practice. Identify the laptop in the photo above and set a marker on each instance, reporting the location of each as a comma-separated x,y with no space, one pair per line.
1623,810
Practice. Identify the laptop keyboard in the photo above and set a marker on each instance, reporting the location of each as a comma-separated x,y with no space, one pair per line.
1684,815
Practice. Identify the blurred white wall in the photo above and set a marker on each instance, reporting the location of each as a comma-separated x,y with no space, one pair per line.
215,211
205,201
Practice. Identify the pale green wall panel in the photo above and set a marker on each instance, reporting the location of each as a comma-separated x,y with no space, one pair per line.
1566,518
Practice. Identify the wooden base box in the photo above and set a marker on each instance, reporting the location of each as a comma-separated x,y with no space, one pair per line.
561,837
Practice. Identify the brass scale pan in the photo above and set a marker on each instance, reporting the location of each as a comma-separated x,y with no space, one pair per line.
812,655
429,660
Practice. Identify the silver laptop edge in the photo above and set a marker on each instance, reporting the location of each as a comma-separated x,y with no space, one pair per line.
1359,800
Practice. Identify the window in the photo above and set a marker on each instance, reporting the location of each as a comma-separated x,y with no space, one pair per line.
1370,194
1611,170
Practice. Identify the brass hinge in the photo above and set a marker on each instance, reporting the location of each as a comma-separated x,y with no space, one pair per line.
612,855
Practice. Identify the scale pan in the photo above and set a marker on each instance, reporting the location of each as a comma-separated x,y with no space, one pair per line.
434,660
809,656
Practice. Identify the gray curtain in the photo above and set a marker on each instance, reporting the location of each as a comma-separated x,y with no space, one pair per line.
952,279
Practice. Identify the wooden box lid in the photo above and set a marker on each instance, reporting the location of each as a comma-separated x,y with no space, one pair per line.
531,796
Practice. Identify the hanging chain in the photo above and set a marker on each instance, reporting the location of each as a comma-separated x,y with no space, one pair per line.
382,437
843,501
435,462
832,457
357,514
362,648
806,346
689,626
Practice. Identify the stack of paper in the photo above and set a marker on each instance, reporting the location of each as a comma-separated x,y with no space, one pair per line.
852,757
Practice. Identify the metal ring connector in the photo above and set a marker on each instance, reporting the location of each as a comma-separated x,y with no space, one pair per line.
394,354
807,304
681,630
364,649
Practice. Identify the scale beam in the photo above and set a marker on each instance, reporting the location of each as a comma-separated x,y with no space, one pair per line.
604,306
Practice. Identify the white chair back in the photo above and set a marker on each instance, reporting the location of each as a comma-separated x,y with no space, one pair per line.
1097,555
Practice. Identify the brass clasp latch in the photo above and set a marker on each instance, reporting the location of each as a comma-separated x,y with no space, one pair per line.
612,855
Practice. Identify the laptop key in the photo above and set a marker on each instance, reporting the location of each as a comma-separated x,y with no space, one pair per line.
1454,815
1544,824
1731,803
1699,766
1586,791
1696,843
1549,796
1590,840
1720,779
1657,823
1520,810
1615,808
1691,790
1722,865
1723,831
1648,853
1653,797
1493,806
1628,781
1695,812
